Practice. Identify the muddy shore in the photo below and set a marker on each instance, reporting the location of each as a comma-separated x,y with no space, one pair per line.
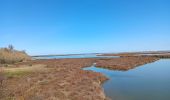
65,79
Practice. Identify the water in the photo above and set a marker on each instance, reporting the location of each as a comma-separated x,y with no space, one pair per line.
148,82
74,56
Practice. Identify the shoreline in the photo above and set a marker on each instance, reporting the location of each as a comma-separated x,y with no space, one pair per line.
65,54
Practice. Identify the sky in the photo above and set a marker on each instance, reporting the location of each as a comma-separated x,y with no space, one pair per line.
85,26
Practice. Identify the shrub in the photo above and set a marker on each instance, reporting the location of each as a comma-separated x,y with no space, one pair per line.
9,55
10,47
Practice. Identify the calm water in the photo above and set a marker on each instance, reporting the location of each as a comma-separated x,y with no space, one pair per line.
148,82
74,56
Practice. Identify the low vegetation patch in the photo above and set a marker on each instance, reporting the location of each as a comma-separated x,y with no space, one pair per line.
1,78
10,55
23,70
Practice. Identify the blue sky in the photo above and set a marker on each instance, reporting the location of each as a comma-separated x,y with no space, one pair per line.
85,26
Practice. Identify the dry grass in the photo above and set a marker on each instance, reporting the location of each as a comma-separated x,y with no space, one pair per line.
8,56
124,63
1,76
60,79
23,70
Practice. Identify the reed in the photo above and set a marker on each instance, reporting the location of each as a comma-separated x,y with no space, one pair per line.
10,56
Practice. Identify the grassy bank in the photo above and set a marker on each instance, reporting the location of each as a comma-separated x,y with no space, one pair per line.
10,56
23,70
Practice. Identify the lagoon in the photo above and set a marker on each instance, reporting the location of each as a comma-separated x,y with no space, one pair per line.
73,56
147,82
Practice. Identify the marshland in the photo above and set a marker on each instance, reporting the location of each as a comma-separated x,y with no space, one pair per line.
84,50
74,78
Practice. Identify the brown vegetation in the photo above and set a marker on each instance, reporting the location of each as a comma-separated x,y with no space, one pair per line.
2,77
124,63
9,55
141,54
159,56
62,79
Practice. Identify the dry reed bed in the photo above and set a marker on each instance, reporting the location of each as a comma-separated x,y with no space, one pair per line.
65,79
140,54
8,56
124,63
